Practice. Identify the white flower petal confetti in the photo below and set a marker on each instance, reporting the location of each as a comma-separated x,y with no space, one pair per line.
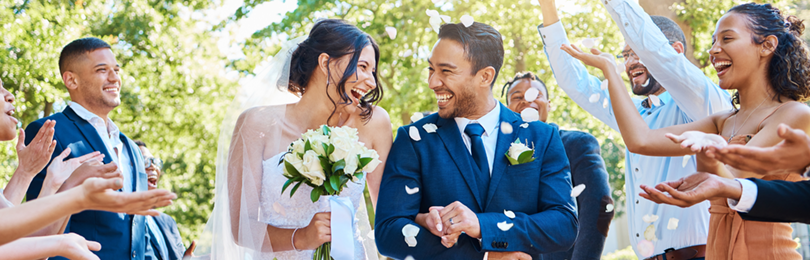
577,190
530,114
673,224
506,128
467,20
411,241
685,160
605,103
430,128
279,209
524,125
411,257
645,248
432,13
509,213
609,208
505,226
594,98
416,116
414,133
649,233
589,43
411,191
445,18
435,23
655,100
605,84
410,230
407,53
649,218
531,94
392,32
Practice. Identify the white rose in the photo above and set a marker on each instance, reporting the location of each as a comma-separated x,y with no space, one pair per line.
311,133
351,164
344,148
298,146
296,162
516,149
344,132
313,169
317,141
375,159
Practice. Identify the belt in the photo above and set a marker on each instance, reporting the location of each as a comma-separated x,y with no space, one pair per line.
681,254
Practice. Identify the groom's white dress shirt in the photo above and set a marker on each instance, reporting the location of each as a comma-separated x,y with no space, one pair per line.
110,135
491,125
747,198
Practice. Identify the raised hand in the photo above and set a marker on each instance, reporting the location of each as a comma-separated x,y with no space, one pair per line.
698,141
33,157
596,58
457,218
508,256
73,246
60,169
318,231
692,189
791,155
91,168
101,194
190,250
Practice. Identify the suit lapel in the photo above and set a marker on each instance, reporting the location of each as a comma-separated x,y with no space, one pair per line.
89,132
499,160
451,137
134,162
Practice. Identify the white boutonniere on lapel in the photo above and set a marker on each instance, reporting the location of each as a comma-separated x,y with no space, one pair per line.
519,153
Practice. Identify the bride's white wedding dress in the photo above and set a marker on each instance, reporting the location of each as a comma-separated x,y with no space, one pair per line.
282,211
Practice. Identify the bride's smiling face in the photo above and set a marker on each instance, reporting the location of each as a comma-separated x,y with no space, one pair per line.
360,83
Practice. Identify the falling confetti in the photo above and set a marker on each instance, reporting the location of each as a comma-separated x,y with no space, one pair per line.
409,258
605,103
430,128
411,191
506,128
467,20
594,98
649,218
604,84
416,117
445,18
655,100
279,209
531,94
410,231
407,53
411,241
672,224
589,43
509,213
432,13
392,32
435,22
685,160
577,190
414,133
524,125
609,208
505,226
530,114
645,248
649,233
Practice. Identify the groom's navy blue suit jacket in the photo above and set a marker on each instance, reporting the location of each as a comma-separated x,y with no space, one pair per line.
121,236
539,192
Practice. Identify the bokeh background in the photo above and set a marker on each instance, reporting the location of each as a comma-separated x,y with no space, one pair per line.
182,62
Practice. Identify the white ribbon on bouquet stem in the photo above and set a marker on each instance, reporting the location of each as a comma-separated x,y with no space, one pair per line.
342,225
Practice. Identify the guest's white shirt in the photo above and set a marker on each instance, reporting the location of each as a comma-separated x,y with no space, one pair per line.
110,135
490,122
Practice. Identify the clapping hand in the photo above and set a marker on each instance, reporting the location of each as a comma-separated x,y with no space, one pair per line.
692,190
698,141
594,59
101,194
790,155
60,169
33,157
91,168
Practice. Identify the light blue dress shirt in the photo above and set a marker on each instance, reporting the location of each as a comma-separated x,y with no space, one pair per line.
690,96
491,124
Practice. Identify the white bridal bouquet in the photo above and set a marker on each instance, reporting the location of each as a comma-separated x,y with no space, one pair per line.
326,159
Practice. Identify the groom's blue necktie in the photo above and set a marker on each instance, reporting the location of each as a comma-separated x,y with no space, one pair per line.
479,154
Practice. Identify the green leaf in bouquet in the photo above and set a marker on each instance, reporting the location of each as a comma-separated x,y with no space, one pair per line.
363,162
295,188
325,130
307,146
330,150
526,157
328,187
325,148
339,165
325,162
334,181
286,184
316,194
291,169
359,175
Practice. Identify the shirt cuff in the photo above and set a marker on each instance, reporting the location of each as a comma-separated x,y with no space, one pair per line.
486,255
747,198
553,34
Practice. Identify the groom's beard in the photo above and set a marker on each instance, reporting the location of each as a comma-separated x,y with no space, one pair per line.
464,104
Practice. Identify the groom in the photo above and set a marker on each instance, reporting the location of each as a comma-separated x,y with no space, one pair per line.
449,190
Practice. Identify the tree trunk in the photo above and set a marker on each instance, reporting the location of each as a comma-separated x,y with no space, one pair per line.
664,8
48,109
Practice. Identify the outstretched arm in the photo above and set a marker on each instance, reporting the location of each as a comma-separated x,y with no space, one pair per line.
71,246
638,137
791,155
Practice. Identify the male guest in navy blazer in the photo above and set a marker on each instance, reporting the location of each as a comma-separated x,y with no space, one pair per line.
90,73
449,190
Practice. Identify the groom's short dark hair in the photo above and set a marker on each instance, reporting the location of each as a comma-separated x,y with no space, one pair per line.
483,44
76,48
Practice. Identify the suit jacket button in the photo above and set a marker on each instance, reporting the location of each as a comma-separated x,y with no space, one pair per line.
494,244
505,244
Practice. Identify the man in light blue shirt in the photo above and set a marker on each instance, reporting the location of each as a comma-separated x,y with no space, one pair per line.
678,93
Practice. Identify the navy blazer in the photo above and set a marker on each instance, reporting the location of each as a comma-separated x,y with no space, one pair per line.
121,236
539,192
168,227
780,201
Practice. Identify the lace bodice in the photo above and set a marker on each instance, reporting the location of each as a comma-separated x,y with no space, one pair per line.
280,210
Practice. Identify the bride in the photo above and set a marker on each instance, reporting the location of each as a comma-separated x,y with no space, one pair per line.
334,72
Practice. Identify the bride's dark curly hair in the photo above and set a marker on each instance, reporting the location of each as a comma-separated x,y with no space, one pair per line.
789,69
336,38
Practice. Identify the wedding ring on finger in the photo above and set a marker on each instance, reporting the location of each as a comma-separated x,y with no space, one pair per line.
451,221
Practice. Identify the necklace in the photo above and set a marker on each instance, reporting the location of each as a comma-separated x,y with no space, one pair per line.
734,129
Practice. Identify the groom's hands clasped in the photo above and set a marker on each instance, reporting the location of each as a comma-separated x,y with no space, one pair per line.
448,222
